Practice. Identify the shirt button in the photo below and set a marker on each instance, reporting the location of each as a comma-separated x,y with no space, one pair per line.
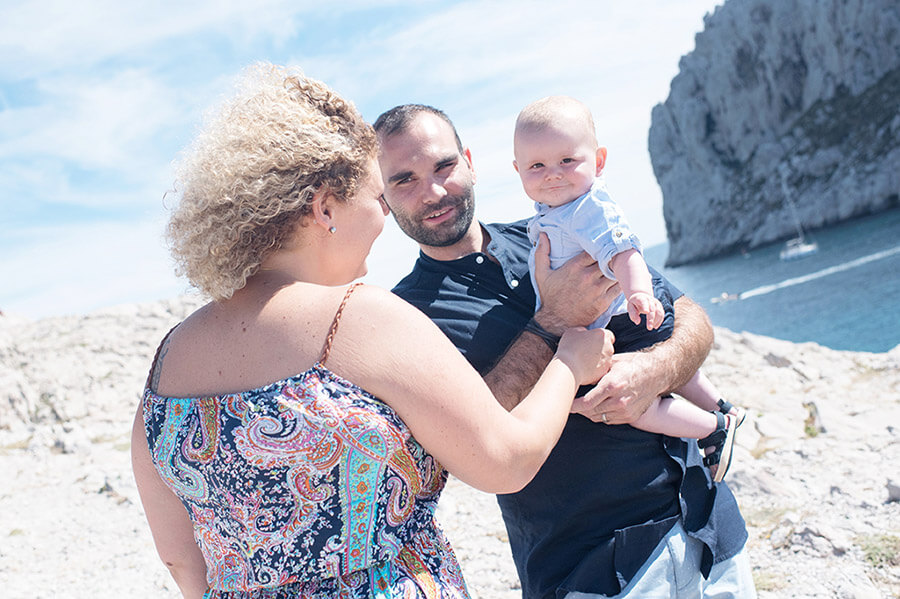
479,259
514,283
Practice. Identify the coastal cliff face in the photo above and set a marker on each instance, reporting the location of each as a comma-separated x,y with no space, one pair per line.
779,98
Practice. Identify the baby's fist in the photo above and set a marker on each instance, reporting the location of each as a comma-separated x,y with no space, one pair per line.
644,303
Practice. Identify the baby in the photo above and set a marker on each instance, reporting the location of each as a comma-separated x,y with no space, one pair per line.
560,163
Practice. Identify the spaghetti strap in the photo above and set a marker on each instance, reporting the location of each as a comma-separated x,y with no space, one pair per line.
155,363
334,324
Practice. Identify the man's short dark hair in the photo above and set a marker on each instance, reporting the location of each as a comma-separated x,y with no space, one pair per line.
398,118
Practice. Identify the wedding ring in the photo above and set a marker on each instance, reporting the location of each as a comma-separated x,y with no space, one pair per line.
604,418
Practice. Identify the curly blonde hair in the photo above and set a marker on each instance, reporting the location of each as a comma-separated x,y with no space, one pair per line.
248,178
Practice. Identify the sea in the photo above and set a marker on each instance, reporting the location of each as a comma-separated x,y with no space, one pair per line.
846,296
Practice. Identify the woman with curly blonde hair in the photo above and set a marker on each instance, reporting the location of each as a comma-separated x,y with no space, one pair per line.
292,439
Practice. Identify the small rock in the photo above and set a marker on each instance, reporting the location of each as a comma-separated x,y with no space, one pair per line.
893,490
72,439
780,537
812,538
112,493
813,424
777,361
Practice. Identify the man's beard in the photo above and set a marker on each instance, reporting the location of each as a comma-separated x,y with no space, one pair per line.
448,233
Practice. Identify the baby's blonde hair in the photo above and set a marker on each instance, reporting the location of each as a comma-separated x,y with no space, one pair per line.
553,111
247,180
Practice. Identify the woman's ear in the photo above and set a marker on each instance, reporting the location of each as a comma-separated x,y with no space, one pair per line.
323,209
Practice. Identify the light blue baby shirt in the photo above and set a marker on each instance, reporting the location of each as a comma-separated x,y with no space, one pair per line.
593,223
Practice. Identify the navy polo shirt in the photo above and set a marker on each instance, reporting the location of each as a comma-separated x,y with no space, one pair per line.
606,495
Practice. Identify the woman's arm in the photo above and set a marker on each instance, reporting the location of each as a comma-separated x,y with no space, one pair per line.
172,531
395,352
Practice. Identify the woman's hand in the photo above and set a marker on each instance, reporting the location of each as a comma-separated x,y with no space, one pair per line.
587,353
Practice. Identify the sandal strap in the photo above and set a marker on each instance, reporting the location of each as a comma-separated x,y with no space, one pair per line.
712,459
724,406
718,436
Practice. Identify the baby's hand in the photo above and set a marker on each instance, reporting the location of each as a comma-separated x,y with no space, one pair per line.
644,303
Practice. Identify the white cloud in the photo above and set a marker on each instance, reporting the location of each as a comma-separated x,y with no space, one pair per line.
486,48
106,122
54,35
74,269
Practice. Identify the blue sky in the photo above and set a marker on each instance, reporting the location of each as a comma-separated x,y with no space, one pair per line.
97,97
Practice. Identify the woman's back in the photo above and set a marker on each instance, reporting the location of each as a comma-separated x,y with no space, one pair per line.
260,335
308,481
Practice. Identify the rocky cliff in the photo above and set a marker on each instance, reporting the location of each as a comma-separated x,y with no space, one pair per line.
780,102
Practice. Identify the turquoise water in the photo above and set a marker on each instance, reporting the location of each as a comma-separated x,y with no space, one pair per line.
847,296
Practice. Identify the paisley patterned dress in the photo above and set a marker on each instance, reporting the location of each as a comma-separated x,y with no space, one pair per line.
307,487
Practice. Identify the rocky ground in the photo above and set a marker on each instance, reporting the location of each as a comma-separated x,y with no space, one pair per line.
816,470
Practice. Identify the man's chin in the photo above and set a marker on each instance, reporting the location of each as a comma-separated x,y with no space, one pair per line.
446,239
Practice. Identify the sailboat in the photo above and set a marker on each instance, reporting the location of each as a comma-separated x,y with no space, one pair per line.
799,246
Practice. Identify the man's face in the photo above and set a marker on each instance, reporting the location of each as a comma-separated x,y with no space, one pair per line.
428,184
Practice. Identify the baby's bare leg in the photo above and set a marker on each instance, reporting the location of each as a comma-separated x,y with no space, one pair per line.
676,418
700,391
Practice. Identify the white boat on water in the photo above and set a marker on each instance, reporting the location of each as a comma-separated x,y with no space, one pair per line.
797,248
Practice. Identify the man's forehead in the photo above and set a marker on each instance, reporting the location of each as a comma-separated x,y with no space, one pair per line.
424,128
427,138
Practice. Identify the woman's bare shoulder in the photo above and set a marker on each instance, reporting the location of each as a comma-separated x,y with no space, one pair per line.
381,307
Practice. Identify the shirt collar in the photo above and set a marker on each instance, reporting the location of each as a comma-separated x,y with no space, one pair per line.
501,246
542,209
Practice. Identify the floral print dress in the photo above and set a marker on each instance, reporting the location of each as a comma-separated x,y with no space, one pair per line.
307,487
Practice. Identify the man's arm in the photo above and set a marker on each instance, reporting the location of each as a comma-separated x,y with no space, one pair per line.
573,295
513,376
637,378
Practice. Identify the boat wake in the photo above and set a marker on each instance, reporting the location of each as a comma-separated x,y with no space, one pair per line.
765,289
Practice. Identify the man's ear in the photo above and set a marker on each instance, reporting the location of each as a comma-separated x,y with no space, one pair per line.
467,154
601,160
515,166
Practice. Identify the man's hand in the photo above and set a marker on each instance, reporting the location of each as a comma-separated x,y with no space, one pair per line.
623,394
575,294
636,378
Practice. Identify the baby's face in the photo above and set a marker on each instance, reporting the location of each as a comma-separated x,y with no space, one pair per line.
556,164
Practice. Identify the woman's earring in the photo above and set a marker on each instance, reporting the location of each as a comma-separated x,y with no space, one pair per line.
332,230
